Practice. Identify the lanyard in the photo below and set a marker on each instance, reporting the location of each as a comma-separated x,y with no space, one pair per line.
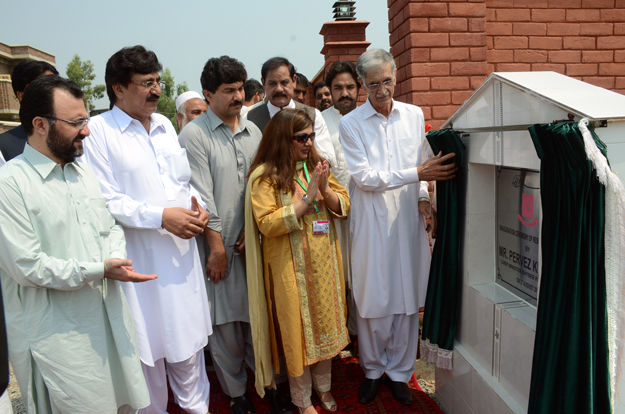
307,181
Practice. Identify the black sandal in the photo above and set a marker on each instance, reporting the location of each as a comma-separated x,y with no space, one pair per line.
242,405
277,402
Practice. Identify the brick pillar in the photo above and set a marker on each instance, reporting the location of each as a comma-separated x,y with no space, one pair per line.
440,51
342,40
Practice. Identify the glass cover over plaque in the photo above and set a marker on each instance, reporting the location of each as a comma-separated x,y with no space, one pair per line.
518,230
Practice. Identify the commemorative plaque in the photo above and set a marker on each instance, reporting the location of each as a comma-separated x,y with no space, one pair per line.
519,217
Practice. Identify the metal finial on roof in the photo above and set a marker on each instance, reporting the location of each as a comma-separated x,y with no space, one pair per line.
344,10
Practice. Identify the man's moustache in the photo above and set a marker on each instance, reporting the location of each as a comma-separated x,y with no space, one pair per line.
279,94
153,97
235,103
345,98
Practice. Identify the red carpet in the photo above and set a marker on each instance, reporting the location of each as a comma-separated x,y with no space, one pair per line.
346,378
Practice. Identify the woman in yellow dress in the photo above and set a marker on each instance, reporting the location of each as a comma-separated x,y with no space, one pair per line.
295,281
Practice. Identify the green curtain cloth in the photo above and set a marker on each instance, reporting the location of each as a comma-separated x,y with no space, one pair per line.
570,371
445,281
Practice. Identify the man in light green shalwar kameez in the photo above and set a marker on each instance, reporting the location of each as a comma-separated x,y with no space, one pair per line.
72,339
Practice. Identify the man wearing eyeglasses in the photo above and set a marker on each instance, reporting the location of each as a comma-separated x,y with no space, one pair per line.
384,145
72,340
144,175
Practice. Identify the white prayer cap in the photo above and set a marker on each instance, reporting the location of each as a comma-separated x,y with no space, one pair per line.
185,97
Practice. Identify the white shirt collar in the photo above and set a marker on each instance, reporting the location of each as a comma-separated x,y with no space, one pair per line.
41,163
369,110
124,120
331,113
274,109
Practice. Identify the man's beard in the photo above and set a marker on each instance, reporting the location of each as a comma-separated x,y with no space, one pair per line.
184,122
60,147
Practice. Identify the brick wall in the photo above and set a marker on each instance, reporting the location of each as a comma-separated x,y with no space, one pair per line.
440,50
342,40
584,39
10,56
445,49
8,102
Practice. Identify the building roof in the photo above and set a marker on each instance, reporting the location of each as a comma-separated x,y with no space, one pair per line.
571,95
25,52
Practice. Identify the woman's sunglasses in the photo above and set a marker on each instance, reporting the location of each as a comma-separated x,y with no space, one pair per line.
303,138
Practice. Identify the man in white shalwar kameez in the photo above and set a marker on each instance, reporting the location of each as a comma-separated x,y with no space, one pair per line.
342,81
144,175
383,141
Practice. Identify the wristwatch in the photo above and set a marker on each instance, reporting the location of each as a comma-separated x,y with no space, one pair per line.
305,198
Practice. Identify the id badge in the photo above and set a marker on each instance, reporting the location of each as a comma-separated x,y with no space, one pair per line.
321,227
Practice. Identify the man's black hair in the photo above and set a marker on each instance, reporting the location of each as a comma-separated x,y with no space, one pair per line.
317,86
302,80
123,64
221,70
27,71
275,63
252,87
39,99
339,67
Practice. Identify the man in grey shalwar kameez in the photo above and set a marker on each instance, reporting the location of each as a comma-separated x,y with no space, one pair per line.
220,146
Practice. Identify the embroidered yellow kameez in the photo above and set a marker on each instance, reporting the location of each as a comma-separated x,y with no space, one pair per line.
298,282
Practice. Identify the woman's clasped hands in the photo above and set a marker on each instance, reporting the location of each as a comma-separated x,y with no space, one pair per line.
319,181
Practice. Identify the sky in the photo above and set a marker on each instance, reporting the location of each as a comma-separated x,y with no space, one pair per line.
184,34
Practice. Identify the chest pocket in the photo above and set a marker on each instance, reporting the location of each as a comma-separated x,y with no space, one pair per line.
181,164
408,150
408,142
102,215
102,221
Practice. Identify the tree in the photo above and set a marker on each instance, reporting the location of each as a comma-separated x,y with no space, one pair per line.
82,73
167,102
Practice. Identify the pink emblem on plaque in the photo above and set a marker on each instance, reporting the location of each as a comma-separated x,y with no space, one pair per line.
527,206
527,209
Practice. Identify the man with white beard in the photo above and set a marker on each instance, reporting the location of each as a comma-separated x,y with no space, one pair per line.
189,105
